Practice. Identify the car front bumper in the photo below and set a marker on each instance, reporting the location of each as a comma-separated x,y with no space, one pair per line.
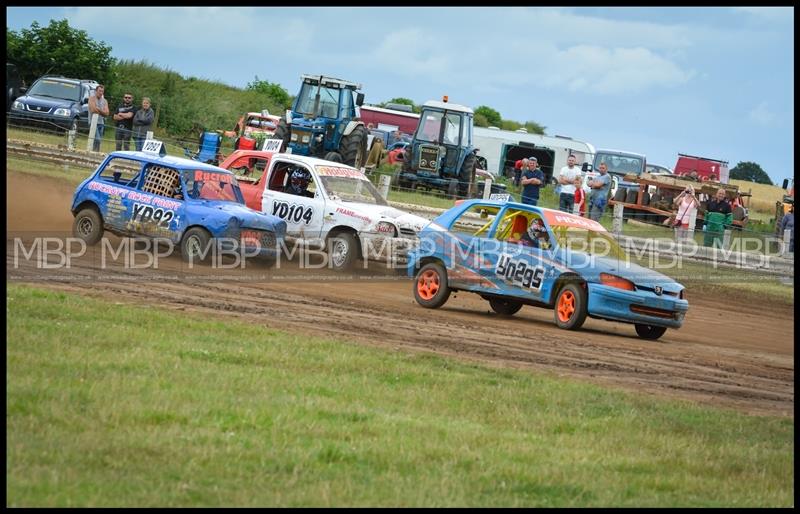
636,307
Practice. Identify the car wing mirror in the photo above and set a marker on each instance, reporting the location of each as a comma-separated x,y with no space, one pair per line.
359,99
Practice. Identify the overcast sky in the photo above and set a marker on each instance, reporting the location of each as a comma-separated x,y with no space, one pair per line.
713,82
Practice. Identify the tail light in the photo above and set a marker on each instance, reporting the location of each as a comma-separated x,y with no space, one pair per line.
614,281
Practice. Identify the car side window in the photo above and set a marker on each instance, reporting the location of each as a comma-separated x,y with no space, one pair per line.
123,172
281,178
163,181
475,221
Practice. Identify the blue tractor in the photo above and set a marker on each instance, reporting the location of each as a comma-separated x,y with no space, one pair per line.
441,155
323,122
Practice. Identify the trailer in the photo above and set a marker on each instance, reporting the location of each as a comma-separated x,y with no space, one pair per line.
389,119
652,199
502,148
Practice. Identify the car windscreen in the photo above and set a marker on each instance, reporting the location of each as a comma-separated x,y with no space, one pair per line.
592,242
352,190
56,89
620,164
210,185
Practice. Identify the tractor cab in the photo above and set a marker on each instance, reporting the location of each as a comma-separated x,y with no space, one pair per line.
441,154
323,121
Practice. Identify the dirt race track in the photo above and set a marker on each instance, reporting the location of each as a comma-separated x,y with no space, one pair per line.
726,354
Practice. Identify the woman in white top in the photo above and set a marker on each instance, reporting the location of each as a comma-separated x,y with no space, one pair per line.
687,204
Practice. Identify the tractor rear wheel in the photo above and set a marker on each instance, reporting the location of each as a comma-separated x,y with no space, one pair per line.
467,175
354,147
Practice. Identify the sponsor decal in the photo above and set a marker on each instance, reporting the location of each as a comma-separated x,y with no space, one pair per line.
136,196
352,214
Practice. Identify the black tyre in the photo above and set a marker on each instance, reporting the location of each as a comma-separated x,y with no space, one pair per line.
196,245
631,195
343,250
570,307
88,226
452,188
481,162
282,132
354,147
467,174
430,286
504,306
651,332
333,157
619,196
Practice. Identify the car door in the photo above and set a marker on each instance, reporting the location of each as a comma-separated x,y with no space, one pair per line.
158,209
303,214
513,268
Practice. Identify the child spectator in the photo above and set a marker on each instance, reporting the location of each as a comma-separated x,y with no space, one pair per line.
580,198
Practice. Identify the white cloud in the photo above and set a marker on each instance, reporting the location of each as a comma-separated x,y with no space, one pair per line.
761,114
215,30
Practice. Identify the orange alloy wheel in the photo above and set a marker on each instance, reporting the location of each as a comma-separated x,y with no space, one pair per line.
428,284
566,306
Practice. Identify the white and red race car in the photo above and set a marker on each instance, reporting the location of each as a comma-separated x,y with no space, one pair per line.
337,209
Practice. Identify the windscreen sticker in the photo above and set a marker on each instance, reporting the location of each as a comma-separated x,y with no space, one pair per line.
210,176
562,219
332,171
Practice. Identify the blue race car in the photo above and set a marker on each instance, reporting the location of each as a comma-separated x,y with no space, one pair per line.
514,254
191,204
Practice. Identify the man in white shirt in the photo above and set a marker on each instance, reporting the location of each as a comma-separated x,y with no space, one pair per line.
566,200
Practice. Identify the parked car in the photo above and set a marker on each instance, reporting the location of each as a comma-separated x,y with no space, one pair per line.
186,202
14,85
54,102
513,254
338,210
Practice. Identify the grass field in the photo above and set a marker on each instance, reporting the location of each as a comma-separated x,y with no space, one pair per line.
116,405
764,196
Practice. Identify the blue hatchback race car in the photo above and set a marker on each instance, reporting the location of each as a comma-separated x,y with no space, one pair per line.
197,206
514,254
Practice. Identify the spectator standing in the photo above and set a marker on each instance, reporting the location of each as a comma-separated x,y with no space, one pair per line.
124,122
142,122
98,105
531,180
579,208
598,197
787,223
566,199
687,204
718,215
